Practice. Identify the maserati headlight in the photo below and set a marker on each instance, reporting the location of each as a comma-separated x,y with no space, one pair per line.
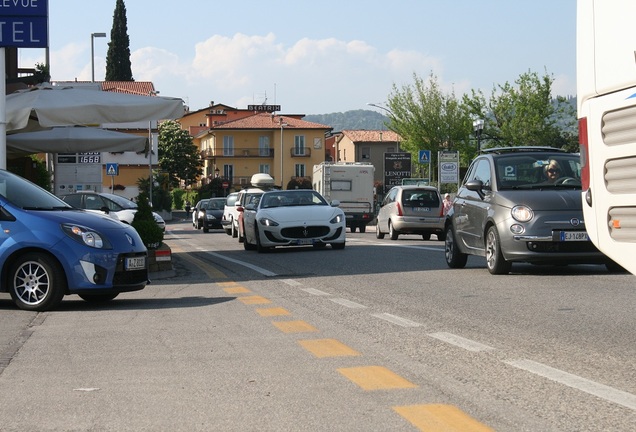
86,236
337,219
267,222
522,213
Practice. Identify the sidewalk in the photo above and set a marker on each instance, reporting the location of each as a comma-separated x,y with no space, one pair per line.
178,216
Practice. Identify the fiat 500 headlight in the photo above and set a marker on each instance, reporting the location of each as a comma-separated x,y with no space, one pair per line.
522,213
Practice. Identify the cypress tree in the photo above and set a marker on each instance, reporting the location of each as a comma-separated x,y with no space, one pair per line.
118,58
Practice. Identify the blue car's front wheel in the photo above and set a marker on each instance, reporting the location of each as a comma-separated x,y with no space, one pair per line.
37,282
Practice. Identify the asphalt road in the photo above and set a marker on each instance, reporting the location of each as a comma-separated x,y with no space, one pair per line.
380,336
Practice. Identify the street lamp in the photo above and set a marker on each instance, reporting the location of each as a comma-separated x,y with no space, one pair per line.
390,113
381,107
282,125
478,127
93,36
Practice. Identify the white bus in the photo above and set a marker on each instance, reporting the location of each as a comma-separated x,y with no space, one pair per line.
606,97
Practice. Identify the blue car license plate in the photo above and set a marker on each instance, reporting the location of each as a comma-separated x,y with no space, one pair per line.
135,263
574,236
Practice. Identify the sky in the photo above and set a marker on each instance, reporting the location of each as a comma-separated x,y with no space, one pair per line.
316,57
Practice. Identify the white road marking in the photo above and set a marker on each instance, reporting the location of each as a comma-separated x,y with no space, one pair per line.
347,303
257,269
291,282
396,320
602,391
461,342
315,291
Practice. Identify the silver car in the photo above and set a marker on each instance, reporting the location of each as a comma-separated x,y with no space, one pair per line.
520,204
411,210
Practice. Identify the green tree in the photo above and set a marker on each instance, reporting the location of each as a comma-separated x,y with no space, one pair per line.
178,156
524,114
428,119
118,66
161,196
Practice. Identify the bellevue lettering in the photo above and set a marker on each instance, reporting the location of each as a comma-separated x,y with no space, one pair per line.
19,4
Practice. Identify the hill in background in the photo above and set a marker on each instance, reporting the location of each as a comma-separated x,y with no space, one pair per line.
373,120
351,120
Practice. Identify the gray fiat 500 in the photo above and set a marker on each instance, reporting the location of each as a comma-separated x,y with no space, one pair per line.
520,204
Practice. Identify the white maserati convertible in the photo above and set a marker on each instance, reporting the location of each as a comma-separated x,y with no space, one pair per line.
293,218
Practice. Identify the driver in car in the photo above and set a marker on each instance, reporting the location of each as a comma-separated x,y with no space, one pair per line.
552,171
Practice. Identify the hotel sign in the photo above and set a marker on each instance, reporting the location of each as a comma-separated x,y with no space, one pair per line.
24,23
262,108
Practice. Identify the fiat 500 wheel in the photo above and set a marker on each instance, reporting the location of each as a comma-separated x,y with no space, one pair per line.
494,258
454,258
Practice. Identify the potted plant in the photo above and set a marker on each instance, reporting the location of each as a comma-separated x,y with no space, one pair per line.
150,233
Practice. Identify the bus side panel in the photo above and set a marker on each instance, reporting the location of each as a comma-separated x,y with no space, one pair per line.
611,126
606,97
606,41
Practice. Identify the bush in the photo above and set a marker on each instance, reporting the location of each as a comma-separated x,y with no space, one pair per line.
145,224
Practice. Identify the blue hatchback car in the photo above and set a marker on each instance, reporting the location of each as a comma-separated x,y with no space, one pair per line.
49,249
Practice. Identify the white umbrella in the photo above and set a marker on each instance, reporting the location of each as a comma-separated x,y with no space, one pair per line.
73,139
45,106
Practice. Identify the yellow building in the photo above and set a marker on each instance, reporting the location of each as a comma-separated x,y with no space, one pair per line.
235,144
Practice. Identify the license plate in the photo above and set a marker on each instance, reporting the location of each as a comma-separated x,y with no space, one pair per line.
422,209
574,236
135,263
304,241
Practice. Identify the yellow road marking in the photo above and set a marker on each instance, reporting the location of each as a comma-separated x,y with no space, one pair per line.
327,348
255,299
237,290
375,378
275,311
227,284
440,418
209,270
294,326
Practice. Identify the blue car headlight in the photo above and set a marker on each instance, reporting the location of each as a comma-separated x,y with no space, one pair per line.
267,221
86,236
337,219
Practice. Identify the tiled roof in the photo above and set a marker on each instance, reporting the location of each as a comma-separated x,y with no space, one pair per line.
268,121
145,88
371,135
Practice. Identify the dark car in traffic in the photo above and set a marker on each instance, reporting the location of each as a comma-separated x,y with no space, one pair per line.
210,215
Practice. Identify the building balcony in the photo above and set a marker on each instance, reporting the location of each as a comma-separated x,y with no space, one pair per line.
208,154
302,152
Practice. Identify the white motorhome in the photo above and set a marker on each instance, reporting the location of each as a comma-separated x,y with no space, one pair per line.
351,184
606,97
